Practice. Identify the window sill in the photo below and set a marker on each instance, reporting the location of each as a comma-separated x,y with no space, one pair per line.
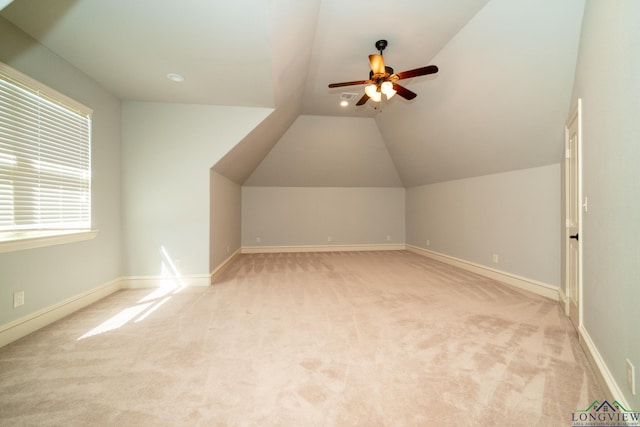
40,240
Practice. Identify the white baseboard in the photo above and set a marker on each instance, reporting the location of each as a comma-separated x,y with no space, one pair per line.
530,285
142,282
562,297
564,301
539,288
223,266
605,378
321,248
25,325
32,322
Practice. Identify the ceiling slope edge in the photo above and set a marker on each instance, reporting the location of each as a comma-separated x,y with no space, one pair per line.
240,162
292,28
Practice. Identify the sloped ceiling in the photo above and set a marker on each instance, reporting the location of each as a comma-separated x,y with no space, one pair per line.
498,103
500,100
321,151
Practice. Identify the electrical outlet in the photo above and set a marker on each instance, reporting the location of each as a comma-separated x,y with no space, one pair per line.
631,377
496,258
329,239
388,237
18,299
258,240
428,242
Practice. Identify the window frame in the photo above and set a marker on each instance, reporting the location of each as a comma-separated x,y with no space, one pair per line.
15,240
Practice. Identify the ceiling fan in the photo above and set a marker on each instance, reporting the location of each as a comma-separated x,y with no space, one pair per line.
382,79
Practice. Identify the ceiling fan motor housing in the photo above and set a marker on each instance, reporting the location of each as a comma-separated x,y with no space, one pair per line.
387,72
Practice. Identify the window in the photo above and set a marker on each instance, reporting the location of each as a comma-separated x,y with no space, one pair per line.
45,160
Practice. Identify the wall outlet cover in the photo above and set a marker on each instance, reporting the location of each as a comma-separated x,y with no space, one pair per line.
18,299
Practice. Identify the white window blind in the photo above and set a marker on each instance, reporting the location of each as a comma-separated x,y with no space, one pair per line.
45,158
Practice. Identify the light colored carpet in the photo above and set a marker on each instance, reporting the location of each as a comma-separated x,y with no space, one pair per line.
308,339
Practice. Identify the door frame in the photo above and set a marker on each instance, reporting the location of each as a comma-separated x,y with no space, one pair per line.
576,114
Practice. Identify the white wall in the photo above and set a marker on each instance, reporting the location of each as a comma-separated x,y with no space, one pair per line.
53,274
167,152
297,216
515,215
225,216
608,81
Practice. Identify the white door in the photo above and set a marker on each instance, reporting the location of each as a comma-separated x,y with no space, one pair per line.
573,195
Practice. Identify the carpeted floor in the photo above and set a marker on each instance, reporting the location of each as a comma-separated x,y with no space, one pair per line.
307,339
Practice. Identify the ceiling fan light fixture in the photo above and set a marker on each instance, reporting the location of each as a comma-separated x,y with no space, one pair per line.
372,92
387,89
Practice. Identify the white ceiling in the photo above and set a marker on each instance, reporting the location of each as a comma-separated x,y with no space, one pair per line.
498,103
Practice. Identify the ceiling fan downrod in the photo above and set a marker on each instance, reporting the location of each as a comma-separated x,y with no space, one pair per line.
381,45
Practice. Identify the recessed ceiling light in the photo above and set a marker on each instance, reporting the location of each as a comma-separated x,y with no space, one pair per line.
344,103
175,77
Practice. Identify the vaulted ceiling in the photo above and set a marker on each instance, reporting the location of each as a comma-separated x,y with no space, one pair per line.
498,103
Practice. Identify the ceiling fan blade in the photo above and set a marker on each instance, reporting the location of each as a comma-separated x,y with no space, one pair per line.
404,92
356,82
377,64
430,69
362,100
